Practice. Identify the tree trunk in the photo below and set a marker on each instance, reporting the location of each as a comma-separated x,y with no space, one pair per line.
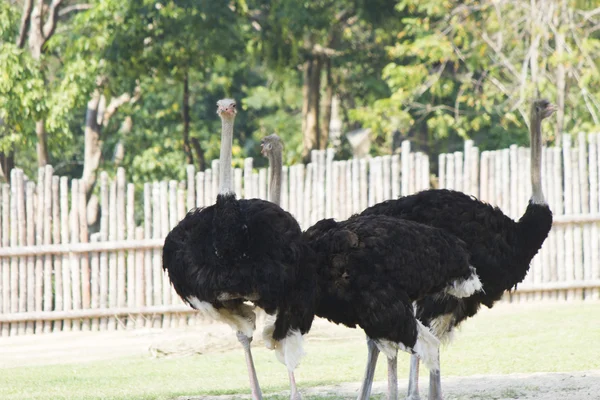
93,144
7,163
327,104
311,132
42,143
185,113
199,154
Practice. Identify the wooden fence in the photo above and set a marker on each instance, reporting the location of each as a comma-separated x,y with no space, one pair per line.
58,276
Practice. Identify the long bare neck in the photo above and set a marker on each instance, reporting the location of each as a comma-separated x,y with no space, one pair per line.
226,184
276,164
537,195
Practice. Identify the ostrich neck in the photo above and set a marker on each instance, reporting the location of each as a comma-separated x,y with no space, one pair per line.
226,185
276,164
537,195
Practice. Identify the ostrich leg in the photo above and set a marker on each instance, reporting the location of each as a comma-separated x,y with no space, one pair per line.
365,388
413,382
295,394
393,378
245,341
435,384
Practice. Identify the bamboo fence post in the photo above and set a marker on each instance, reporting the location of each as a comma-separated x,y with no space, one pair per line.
558,188
425,170
342,189
30,216
292,200
458,174
514,166
191,190
411,172
47,239
6,275
248,165
584,185
113,272
378,179
140,276
417,171
120,231
474,176
405,159
148,275
320,182
215,165
237,181
551,241
450,172
58,282
498,174
75,258
395,176
372,182
95,281
181,210
168,221
64,237
164,230
362,173
300,191
594,208
131,266
386,164
39,239
85,262
156,256
262,184
569,250
348,192
14,264
22,240
200,189
208,197
442,171
544,254
328,182
484,176
577,228
104,267
307,195
505,153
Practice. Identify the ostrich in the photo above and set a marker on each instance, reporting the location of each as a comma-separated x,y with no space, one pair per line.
272,148
234,251
370,270
500,248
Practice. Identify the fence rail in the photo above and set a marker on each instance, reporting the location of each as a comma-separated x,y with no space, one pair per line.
57,276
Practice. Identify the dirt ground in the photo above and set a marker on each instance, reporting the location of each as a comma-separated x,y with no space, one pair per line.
94,346
542,386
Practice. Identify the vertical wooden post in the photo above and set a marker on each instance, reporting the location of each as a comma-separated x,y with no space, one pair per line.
594,208
372,182
458,174
47,239
39,239
131,265
248,178
22,236
320,182
58,282
208,193
577,228
66,261
216,166
262,184
395,176
6,275
140,276
237,182
442,171
505,154
307,219
31,289
450,172
300,191
85,262
104,267
14,261
474,175
405,159
293,207
156,254
386,163
148,275
180,215
569,250
484,176
328,182
200,189
113,272
584,183
95,281
121,269
191,190
75,257
514,168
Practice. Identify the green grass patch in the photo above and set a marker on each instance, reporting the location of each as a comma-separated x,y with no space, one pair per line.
548,338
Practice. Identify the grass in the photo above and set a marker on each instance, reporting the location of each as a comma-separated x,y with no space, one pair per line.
547,338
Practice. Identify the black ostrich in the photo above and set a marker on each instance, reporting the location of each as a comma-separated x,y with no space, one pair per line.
371,269
500,248
234,251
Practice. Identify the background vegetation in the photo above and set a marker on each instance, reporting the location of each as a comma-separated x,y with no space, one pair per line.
89,85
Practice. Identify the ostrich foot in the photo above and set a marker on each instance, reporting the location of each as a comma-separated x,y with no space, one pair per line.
254,387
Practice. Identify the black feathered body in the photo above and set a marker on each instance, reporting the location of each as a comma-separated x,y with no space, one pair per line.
239,250
500,248
371,269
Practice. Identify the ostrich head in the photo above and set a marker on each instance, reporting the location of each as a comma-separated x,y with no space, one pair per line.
270,144
541,109
226,108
